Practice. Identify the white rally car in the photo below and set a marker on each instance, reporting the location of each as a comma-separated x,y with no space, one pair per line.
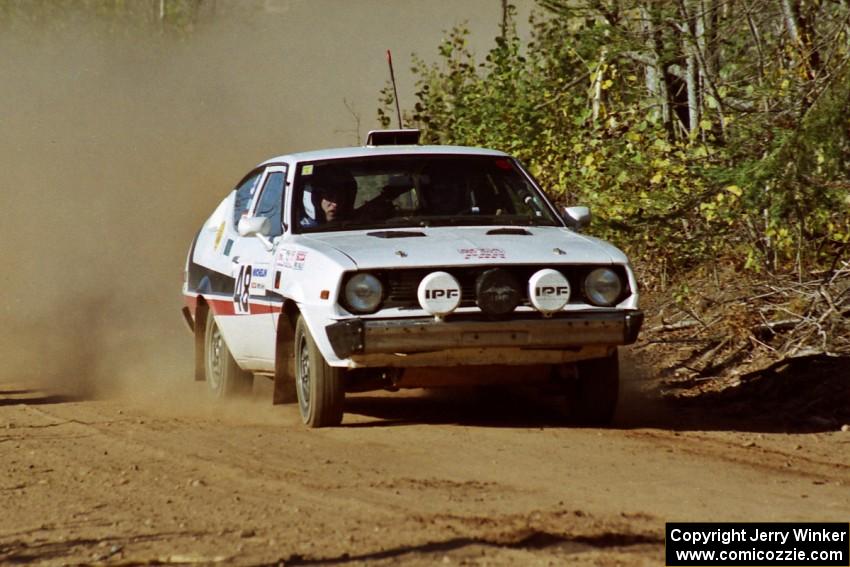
399,265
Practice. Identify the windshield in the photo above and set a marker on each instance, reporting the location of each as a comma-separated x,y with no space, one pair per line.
415,191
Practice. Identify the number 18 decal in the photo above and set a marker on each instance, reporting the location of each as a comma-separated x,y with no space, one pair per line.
242,290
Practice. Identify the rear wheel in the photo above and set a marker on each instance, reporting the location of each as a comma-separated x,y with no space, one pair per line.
223,376
319,386
592,391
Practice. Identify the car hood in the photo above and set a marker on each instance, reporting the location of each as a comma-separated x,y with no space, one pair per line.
462,246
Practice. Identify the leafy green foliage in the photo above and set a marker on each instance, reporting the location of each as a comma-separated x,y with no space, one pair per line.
745,159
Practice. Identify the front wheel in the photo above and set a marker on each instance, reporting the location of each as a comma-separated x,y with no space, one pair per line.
223,376
319,386
593,390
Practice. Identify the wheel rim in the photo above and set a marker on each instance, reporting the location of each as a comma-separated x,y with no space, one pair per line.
303,376
214,362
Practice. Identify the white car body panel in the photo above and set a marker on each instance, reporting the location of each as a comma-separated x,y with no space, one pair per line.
248,339
357,152
462,246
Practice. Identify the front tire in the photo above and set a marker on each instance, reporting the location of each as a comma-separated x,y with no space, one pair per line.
223,376
593,391
319,386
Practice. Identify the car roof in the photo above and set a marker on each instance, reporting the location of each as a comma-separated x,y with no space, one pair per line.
370,151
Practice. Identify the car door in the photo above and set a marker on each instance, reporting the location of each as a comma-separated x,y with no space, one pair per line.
250,331
213,250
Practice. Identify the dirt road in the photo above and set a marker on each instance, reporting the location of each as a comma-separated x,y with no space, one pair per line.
159,477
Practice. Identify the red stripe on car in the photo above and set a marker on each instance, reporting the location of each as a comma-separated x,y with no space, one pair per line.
221,306
225,307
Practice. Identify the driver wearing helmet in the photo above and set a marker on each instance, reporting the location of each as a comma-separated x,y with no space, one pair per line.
325,200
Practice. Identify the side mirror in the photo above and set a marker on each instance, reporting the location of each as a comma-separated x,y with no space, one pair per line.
252,226
577,217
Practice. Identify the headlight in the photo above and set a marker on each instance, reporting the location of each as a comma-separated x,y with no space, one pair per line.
603,287
363,293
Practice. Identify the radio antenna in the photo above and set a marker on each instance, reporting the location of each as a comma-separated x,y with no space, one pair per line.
395,89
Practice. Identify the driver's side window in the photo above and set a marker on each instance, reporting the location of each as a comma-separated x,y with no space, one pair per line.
271,201
244,195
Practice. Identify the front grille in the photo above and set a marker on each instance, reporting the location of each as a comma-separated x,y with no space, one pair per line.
401,285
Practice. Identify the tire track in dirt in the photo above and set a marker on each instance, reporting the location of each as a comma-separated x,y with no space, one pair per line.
248,484
754,450
110,436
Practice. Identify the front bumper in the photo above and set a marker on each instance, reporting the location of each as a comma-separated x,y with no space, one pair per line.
427,334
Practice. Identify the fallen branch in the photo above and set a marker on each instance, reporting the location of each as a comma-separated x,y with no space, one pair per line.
686,324
733,358
685,340
774,326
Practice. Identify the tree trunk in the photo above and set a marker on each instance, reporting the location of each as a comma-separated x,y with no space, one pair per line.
689,48
656,86
692,50
655,41
691,79
710,47
801,31
597,84
791,22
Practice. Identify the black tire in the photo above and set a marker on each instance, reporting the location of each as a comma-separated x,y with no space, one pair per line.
593,391
223,376
321,395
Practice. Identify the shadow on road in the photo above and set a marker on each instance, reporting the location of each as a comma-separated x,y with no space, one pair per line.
33,398
809,396
480,406
15,392
532,540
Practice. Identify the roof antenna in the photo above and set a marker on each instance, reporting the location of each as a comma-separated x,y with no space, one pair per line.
395,89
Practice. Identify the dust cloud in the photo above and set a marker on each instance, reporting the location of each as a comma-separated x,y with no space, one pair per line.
116,144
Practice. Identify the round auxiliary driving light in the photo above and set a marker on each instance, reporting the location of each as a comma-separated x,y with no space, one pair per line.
439,293
363,293
603,287
548,290
497,292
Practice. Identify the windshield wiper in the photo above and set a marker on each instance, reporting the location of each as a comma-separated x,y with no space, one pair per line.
482,220
435,221
342,225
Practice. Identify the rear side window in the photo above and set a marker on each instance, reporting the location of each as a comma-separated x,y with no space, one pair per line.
271,202
244,195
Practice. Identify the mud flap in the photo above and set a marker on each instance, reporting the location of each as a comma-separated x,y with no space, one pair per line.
284,388
284,377
200,344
